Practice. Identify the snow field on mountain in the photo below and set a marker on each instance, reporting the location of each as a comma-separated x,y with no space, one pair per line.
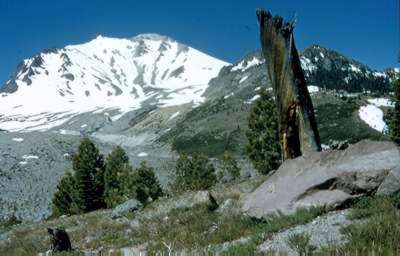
105,74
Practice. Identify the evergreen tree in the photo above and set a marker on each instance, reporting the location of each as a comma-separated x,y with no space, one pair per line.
263,148
116,172
65,196
394,125
230,165
194,173
88,165
147,184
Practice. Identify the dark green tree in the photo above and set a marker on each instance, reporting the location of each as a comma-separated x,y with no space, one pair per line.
394,124
194,173
65,196
117,171
147,184
88,165
263,137
230,165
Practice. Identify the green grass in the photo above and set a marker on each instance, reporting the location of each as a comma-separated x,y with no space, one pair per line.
300,243
198,228
377,234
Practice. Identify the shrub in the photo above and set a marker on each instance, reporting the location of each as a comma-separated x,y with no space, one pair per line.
230,165
194,173
263,148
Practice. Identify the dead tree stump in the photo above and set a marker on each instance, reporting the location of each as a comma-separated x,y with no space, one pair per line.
59,240
298,132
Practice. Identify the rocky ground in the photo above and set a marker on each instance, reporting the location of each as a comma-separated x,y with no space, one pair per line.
323,231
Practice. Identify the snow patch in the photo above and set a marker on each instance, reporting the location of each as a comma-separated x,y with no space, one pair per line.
313,89
355,69
18,139
381,102
245,65
243,79
26,157
373,116
174,115
229,95
69,132
142,154
306,64
252,99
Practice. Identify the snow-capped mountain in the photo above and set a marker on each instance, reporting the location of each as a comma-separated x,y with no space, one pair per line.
102,75
331,70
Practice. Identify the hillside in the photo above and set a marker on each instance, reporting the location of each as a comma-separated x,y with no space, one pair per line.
140,93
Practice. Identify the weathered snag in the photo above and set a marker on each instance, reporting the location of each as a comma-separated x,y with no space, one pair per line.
298,132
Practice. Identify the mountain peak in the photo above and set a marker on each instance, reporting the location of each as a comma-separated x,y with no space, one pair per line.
152,37
102,74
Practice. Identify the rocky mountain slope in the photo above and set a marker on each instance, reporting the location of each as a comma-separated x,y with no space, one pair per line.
156,98
104,74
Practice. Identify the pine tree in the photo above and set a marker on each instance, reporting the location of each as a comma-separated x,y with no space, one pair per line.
147,184
394,125
194,173
65,196
230,165
88,165
263,148
116,171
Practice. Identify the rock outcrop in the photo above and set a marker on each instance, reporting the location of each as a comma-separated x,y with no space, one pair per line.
132,205
329,178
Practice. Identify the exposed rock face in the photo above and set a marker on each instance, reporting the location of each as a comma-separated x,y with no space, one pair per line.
328,178
131,205
298,132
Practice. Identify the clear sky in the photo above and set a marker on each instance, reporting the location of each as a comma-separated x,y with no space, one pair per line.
366,30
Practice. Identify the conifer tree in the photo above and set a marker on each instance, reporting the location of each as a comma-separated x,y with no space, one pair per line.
263,147
116,172
88,165
194,173
147,184
65,196
394,125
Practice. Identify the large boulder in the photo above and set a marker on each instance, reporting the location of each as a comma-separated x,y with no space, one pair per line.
329,178
131,205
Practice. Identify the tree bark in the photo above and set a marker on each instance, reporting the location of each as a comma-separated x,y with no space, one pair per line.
298,131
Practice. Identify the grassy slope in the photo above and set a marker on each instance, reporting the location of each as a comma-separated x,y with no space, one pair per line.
195,229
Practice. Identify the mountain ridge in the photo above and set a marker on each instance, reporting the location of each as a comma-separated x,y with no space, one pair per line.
105,73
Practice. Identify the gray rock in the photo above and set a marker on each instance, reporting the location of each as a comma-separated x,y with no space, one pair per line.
131,205
323,231
328,178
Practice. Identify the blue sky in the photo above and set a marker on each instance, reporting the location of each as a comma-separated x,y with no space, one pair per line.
366,30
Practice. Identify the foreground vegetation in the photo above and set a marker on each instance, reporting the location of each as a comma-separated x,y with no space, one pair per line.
195,229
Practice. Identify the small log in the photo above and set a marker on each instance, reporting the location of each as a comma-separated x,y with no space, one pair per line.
298,132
